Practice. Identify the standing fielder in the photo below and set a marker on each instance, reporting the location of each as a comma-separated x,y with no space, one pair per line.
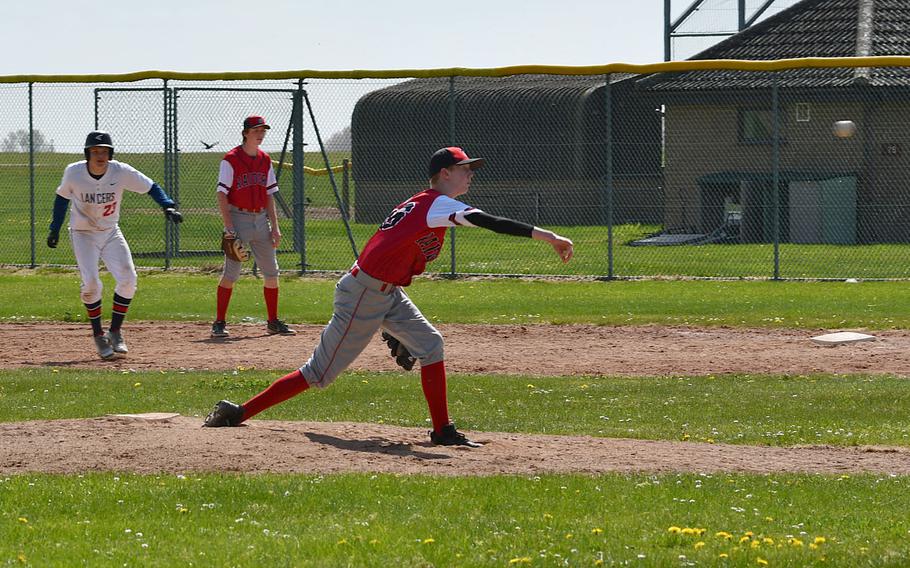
246,188
371,295
95,188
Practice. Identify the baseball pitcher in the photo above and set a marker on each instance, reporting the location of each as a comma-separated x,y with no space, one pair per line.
94,187
371,296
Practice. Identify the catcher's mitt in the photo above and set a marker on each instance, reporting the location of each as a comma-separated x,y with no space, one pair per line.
234,248
401,354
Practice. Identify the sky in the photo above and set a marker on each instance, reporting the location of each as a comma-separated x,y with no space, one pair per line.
67,37
53,37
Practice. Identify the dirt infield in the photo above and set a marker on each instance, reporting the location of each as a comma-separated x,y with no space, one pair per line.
180,445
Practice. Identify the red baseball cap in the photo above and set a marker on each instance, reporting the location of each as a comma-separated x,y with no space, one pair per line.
253,122
451,156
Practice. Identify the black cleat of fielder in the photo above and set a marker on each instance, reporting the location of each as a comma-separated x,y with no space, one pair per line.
452,437
226,413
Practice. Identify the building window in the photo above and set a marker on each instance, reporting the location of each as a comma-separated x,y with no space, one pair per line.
756,126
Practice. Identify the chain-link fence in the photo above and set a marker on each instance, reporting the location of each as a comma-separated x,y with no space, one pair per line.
685,169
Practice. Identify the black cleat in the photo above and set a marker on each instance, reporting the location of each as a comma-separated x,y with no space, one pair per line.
226,413
278,327
219,329
451,437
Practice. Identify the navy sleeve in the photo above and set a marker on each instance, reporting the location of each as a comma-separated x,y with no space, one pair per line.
61,205
502,225
161,198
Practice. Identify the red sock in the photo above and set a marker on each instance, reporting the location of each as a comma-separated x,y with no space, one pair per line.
224,298
433,380
271,302
284,388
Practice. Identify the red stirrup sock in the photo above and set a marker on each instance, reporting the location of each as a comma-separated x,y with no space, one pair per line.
271,302
284,388
224,298
433,380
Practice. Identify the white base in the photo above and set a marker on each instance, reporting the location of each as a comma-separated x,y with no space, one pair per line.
149,416
841,337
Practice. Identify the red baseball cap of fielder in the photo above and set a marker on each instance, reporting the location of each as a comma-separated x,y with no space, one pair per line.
451,156
253,122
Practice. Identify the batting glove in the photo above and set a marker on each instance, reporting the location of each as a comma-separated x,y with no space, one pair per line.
52,239
174,215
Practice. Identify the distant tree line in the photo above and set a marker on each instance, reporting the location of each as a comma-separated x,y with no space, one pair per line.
18,142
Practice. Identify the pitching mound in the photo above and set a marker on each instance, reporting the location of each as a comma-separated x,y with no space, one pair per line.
180,445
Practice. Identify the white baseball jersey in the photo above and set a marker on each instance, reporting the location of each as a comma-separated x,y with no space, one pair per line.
95,203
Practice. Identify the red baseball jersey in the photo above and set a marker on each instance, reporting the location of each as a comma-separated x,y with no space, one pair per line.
247,181
411,236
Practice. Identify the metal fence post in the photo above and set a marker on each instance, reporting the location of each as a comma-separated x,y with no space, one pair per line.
297,157
608,178
775,170
168,173
31,169
451,113
345,186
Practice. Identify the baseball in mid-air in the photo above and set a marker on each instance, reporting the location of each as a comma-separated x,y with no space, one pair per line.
844,128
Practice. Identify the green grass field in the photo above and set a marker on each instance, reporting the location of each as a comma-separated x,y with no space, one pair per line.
116,518
326,245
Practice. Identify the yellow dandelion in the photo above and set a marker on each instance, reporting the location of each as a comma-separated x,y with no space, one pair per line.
769,519
723,555
596,530
137,384
813,546
698,544
364,381
23,520
685,437
674,530
761,561
688,531
700,531
723,534
521,560
569,536
599,562
749,534
55,371
530,386
342,541
743,539
820,540
21,558
547,516
796,542
183,510
768,540
429,540
863,549
754,544
709,440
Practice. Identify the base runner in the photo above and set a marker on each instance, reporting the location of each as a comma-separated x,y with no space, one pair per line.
94,187
371,296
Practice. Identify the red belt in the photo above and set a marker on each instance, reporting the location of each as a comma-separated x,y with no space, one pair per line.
383,285
247,210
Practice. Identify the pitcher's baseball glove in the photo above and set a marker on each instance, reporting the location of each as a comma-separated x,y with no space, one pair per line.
234,248
401,354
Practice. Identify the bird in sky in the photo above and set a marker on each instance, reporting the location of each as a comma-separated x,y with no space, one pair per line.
208,146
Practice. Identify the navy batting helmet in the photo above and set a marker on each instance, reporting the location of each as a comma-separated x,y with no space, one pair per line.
99,138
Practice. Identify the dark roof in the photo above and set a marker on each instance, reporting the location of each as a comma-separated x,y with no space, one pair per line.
811,28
